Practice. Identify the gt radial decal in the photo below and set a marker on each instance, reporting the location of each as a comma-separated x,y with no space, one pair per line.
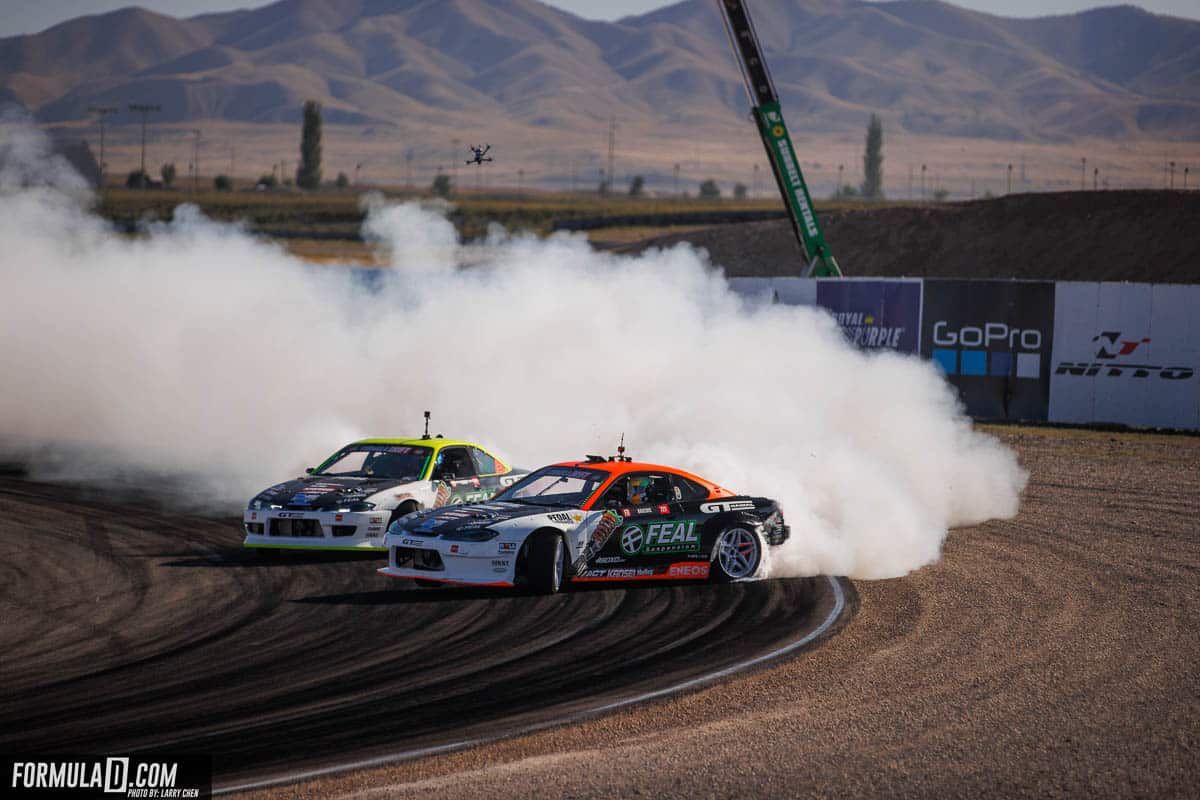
661,537
605,525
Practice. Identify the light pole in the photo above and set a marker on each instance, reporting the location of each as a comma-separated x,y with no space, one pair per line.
454,163
103,111
1009,190
838,193
1095,178
1171,185
195,160
1083,173
144,109
923,168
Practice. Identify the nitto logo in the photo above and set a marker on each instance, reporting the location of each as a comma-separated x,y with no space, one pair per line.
986,360
1109,347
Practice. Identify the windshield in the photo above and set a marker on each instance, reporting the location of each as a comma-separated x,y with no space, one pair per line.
394,461
555,486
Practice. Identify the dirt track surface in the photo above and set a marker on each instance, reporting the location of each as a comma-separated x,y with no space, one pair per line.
127,629
1053,655
1147,236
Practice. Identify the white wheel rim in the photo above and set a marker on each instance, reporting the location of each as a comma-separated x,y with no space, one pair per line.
738,552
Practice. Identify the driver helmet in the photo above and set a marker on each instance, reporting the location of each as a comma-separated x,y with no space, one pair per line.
639,490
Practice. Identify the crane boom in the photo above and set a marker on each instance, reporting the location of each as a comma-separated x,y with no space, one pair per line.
781,155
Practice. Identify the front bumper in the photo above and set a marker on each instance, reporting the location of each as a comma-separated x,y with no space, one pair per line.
491,563
315,530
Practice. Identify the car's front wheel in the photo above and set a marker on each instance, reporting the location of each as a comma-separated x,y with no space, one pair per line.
547,562
403,510
739,551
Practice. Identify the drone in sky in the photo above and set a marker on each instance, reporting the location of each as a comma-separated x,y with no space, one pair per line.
480,154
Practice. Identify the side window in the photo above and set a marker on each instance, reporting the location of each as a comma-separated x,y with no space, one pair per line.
485,463
639,488
455,464
687,490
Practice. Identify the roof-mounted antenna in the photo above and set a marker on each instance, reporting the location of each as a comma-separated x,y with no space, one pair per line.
620,456
426,436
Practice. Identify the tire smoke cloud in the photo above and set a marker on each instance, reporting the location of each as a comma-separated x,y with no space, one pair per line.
199,353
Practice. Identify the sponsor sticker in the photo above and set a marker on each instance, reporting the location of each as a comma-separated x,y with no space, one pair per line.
508,547
696,569
661,537
726,505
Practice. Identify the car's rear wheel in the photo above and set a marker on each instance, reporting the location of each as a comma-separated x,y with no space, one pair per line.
547,562
739,551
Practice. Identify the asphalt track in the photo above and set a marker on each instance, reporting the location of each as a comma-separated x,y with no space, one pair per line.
129,629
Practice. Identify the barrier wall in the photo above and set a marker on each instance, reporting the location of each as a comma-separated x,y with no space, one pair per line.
1103,353
1126,353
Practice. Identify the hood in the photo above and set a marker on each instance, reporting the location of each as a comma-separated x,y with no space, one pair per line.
451,519
318,492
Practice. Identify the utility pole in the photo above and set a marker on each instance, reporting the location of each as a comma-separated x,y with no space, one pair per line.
454,163
838,191
1185,176
103,111
1171,185
1083,173
612,144
144,109
923,168
195,160
1009,191
1095,178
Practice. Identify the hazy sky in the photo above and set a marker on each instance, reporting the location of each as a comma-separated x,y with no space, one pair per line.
20,16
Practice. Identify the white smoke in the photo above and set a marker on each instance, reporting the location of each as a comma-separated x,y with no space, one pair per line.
198,350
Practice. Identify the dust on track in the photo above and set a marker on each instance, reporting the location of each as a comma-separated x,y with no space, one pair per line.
1049,655
130,627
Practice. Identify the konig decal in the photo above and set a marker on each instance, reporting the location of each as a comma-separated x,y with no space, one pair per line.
992,340
875,314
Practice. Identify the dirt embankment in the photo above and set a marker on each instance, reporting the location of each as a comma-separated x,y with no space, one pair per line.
1149,236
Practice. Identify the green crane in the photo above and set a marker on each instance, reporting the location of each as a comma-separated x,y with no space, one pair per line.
764,104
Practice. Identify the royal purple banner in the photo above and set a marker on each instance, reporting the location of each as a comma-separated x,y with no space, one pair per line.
875,314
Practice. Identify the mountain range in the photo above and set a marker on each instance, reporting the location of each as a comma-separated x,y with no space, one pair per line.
925,66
